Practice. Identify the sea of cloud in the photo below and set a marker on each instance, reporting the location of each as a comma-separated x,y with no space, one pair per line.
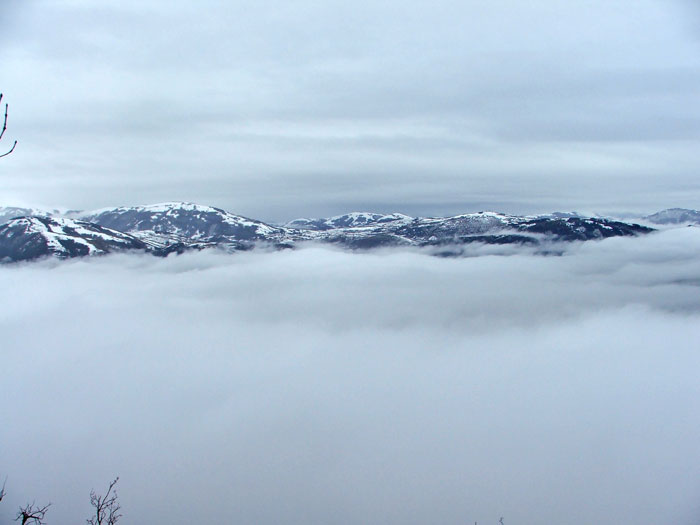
318,386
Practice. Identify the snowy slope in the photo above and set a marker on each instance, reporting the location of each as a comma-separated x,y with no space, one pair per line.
26,238
181,220
486,227
349,220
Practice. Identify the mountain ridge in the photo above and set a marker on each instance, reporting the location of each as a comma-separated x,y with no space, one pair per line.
175,227
27,238
674,216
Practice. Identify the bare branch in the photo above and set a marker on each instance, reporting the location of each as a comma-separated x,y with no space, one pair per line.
4,128
106,507
32,515
11,150
4,124
2,490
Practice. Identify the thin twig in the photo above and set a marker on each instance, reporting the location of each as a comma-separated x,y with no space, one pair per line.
4,128
11,150
4,124
30,514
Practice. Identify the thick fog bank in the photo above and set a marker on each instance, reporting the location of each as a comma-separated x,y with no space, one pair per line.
318,386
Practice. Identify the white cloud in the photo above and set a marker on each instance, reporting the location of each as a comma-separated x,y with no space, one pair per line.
318,386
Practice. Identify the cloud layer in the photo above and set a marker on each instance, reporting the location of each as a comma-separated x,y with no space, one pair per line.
278,111
318,386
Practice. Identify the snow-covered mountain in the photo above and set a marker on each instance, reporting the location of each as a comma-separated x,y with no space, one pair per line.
674,216
11,212
486,227
349,220
185,222
27,238
176,227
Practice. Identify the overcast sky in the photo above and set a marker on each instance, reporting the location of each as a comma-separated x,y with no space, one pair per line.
283,109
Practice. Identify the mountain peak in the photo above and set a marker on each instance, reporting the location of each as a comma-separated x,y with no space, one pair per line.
674,216
183,220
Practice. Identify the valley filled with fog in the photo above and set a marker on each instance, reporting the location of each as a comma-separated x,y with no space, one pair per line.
339,263
321,386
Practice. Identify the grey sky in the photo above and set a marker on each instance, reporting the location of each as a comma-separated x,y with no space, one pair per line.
280,109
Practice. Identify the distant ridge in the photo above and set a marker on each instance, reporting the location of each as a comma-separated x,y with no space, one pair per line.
170,227
674,216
